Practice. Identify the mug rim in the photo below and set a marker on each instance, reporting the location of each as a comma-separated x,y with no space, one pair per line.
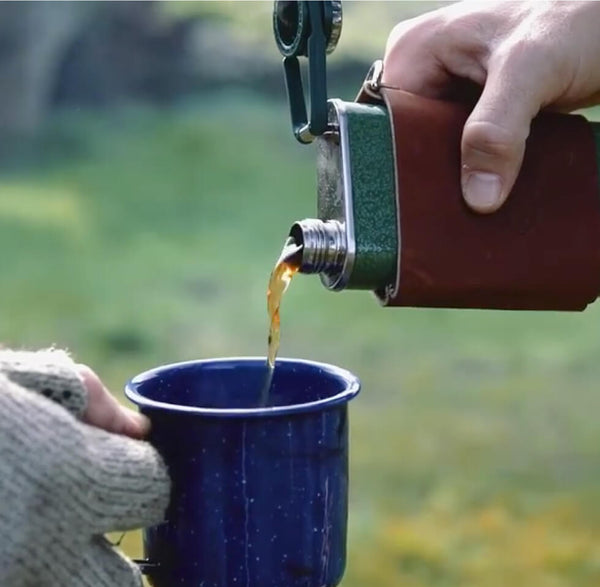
351,390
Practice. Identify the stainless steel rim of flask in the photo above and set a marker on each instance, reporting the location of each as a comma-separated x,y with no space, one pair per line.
324,247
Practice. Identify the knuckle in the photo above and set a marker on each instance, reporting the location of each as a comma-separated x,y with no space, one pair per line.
462,29
489,138
410,53
454,42
414,31
528,54
397,37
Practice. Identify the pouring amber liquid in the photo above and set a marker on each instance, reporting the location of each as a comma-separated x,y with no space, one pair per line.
286,267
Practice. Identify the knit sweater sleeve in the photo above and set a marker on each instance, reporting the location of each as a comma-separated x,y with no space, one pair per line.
51,373
63,483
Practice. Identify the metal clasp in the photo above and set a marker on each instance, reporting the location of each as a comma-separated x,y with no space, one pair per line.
307,29
373,80
372,83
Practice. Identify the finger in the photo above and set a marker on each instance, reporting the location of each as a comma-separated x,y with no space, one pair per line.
439,55
410,63
107,413
132,423
104,411
494,136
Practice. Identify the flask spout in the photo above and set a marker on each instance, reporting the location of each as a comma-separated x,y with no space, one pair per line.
323,249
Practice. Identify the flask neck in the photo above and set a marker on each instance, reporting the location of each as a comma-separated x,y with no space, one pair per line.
323,246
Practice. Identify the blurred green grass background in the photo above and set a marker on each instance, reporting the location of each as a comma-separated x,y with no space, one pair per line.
146,236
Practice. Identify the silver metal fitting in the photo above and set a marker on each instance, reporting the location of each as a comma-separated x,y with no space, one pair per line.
373,79
336,25
324,248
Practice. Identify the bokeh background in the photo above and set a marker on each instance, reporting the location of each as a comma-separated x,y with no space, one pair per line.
148,177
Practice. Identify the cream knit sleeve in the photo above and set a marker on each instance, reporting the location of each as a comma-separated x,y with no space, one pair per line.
51,373
63,483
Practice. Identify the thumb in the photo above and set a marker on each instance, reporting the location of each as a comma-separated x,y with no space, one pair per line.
493,140
104,411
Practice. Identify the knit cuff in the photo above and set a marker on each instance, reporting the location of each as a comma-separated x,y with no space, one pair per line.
51,373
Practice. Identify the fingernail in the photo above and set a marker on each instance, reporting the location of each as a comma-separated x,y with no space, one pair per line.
482,190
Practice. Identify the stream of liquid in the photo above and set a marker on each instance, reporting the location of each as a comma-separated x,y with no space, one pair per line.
286,267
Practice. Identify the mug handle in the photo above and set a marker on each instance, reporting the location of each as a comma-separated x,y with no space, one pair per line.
146,566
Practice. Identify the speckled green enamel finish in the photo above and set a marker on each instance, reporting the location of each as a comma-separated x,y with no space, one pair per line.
373,194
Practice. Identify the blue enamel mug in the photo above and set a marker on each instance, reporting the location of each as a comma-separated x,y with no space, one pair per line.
260,492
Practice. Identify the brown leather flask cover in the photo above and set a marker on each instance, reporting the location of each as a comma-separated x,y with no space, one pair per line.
540,251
